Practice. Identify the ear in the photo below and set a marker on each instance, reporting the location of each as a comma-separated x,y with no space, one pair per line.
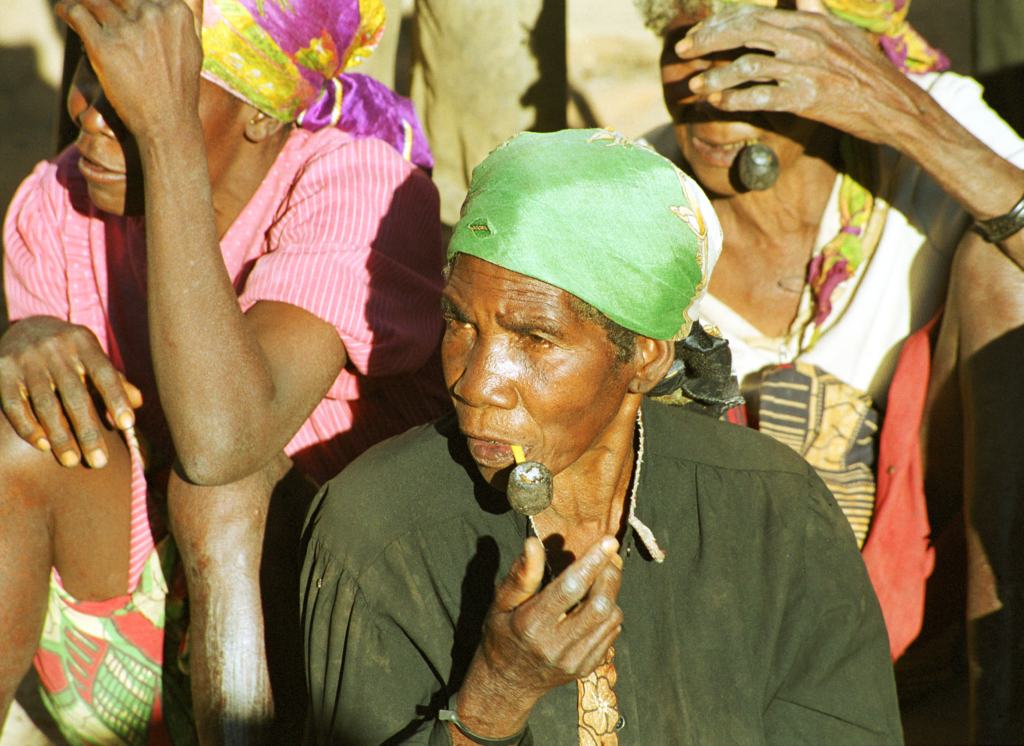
261,126
653,359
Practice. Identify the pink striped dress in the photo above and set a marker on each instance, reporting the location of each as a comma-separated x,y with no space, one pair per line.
345,229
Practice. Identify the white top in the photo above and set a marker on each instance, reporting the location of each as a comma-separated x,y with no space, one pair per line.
901,287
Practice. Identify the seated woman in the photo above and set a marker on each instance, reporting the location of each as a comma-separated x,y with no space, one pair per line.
235,261
842,246
675,579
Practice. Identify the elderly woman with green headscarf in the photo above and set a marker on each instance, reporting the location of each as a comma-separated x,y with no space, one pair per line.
848,168
234,270
682,580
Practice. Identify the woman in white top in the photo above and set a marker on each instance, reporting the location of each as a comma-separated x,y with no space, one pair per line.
839,250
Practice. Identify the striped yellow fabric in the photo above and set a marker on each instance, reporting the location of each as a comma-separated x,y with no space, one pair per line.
833,426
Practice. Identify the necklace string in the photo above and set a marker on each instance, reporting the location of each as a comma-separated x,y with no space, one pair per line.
645,534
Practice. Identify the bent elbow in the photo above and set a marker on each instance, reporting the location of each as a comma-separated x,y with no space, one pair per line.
213,465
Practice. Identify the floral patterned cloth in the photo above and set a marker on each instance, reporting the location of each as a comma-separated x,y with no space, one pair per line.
101,663
599,718
289,58
888,19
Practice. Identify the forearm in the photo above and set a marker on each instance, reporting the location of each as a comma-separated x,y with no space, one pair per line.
982,182
212,375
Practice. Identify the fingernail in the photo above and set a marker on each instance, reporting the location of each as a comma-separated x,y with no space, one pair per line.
696,83
69,458
126,420
714,98
609,545
43,444
684,45
617,561
97,459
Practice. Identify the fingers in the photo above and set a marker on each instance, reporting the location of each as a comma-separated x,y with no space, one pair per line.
18,411
732,87
754,27
580,638
46,369
523,579
728,29
78,18
134,398
757,68
43,385
576,581
599,606
112,387
67,413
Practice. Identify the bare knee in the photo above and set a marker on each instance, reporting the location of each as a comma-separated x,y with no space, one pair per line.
81,515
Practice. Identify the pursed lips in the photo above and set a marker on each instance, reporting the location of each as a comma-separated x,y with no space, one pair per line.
93,166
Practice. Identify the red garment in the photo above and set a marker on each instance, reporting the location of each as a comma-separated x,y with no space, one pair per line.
897,552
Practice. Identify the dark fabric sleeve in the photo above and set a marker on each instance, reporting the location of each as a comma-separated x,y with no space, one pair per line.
833,677
369,683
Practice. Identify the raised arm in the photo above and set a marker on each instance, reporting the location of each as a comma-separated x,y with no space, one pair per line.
234,386
821,68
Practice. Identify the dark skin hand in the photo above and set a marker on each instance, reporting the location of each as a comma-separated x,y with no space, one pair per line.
229,384
820,68
536,640
47,368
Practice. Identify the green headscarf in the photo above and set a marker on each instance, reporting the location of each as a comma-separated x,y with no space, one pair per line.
592,213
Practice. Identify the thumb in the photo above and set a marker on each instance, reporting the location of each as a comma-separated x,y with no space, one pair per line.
524,577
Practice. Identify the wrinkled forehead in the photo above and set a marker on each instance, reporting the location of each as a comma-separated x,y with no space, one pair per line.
472,279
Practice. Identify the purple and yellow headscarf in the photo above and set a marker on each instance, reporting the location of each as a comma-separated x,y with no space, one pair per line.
289,58
887,19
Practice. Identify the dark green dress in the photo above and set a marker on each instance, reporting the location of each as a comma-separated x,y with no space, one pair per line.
760,626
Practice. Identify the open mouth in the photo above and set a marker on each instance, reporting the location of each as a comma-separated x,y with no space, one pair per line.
720,155
490,453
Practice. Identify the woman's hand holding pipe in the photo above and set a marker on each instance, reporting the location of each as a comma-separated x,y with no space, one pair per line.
535,640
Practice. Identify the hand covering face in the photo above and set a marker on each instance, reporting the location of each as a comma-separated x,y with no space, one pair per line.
597,215
289,58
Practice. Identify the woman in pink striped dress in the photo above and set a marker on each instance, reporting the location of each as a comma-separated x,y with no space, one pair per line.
225,290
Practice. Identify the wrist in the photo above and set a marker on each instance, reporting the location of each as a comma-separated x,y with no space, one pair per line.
492,702
171,135
451,716
1002,227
